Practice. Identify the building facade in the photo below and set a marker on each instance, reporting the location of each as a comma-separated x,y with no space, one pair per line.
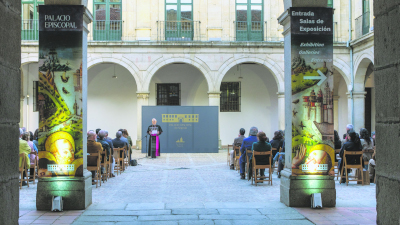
226,53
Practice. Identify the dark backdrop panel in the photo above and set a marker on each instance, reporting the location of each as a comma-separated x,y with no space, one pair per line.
187,129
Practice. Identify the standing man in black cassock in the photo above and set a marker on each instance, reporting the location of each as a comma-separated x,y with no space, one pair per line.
154,137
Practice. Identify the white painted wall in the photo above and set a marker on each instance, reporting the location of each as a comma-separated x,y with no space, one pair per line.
193,84
259,103
30,118
112,102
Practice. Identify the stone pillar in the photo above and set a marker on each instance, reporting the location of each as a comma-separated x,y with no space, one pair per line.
387,82
214,100
281,110
142,100
75,190
359,110
295,191
10,63
336,112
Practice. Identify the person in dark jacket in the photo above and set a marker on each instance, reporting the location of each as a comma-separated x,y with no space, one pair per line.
353,144
261,146
246,145
276,142
236,142
338,142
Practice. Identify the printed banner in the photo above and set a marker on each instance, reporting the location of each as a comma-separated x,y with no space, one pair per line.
312,91
186,129
60,91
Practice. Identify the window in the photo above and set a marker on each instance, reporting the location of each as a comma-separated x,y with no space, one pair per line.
168,94
35,96
230,97
365,17
330,3
178,20
29,20
107,24
249,20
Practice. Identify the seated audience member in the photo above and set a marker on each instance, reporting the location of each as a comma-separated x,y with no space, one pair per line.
119,143
371,167
281,161
104,144
337,141
27,137
124,139
353,144
236,142
367,144
109,141
25,149
36,138
97,133
276,142
344,140
125,134
373,137
93,147
261,146
247,144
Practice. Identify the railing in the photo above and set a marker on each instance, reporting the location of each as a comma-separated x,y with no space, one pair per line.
249,31
362,25
178,30
29,30
106,30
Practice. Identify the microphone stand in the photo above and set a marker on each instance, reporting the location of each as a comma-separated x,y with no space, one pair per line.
147,150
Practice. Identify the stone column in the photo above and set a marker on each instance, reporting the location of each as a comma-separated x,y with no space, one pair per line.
387,81
295,191
214,100
281,110
10,63
359,110
75,190
349,108
336,112
142,100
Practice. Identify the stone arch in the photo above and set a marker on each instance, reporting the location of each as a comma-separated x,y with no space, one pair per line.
271,65
29,58
361,66
130,66
344,69
195,62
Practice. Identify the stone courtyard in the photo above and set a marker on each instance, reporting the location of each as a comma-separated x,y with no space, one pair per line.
198,189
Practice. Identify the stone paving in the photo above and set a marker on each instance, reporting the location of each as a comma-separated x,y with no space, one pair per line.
198,189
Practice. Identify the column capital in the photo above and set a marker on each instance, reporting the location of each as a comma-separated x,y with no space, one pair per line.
214,94
336,97
357,94
143,95
281,94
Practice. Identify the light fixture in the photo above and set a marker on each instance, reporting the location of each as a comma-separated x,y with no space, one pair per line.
115,76
240,72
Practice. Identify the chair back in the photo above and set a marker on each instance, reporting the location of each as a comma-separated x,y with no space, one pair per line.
236,150
96,157
355,154
265,154
23,161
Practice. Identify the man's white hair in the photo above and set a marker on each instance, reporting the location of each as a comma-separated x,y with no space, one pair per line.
349,127
153,119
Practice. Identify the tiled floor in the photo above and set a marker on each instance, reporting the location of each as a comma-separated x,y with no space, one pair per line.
198,189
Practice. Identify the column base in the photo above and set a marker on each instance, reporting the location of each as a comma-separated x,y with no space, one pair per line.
219,144
138,144
296,190
76,192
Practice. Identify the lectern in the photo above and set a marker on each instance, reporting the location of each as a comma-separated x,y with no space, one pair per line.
153,141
